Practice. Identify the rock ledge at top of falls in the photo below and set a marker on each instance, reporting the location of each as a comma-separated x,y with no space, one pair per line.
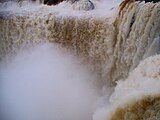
77,4
83,5
65,8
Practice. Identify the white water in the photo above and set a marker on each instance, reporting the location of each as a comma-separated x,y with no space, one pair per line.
47,83
102,8
143,82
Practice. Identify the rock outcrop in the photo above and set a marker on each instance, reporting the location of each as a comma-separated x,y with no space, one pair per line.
52,2
77,4
83,5
154,1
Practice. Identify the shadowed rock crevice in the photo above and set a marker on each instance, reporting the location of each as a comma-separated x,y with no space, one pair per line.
154,1
52,2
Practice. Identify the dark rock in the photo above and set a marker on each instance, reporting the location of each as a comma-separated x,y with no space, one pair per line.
154,1
52,2
77,4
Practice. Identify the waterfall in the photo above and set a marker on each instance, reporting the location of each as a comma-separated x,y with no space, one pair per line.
111,44
86,36
113,48
137,37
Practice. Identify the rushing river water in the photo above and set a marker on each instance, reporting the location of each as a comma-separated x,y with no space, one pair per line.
58,63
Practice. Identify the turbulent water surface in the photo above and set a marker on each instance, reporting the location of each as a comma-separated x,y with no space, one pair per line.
58,63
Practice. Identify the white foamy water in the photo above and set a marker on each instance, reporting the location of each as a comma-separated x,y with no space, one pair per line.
142,84
102,8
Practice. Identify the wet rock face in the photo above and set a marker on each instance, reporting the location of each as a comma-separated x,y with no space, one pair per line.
77,4
55,2
154,1
83,5
52,2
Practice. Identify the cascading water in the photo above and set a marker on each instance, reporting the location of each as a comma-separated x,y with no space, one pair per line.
82,32
110,41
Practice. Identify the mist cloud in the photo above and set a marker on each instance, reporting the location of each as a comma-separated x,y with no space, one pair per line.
47,83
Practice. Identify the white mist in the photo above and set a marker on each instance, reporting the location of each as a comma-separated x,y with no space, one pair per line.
47,83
